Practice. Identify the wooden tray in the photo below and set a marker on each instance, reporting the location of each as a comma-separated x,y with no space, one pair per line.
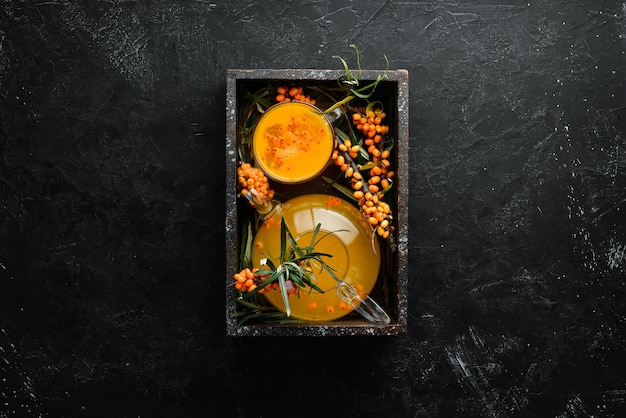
392,284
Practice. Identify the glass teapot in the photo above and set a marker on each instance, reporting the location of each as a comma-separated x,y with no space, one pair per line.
343,234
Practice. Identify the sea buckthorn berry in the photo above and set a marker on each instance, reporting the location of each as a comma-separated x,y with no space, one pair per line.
358,194
249,177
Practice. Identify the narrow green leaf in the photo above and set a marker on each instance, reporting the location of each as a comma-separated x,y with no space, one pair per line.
314,236
389,143
270,263
345,64
364,154
339,104
372,105
340,187
294,245
259,108
283,241
253,306
368,166
283,291
358,60
342,135
360,95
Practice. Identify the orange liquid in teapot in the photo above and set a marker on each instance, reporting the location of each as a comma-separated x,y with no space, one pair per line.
344,233
292,142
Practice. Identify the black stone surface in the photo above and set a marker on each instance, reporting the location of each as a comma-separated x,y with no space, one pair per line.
112,125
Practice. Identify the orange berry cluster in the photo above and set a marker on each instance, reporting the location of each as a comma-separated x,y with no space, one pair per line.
247,280
369,192
249,177
285,93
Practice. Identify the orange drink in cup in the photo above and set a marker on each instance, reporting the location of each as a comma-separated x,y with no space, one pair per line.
292,142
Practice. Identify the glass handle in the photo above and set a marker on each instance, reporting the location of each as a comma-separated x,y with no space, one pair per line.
367,307
335,114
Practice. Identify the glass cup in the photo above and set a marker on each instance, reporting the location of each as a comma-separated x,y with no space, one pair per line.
292,142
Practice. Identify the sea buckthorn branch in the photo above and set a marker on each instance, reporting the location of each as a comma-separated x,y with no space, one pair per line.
371,180
370,122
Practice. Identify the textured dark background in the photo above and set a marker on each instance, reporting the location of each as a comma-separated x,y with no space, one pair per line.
112,126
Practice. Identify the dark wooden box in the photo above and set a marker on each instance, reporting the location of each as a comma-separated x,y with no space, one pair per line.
392,288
